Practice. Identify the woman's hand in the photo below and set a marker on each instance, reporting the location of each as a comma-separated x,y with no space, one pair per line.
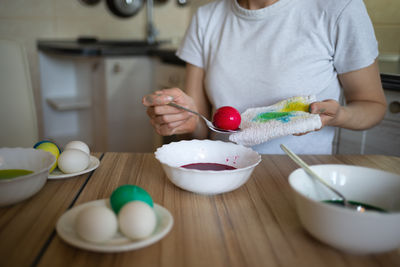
168,120
328,110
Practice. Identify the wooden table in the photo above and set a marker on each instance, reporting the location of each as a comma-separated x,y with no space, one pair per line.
255,225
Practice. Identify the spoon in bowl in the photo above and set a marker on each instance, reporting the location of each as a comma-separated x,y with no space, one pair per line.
209,124
307,169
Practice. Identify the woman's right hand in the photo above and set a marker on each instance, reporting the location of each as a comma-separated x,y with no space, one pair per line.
168,120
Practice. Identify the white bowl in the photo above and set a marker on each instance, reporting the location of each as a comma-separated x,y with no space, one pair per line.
176,154
20,188
342,228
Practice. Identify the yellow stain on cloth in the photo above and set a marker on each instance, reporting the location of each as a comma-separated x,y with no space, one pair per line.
296,104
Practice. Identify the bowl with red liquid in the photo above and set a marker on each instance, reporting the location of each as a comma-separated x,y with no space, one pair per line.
207,166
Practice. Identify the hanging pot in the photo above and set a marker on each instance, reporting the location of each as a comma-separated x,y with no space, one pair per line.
182,3
124,8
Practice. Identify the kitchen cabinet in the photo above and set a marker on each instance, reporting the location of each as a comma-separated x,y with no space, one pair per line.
66,98
98,100
123,82
169,75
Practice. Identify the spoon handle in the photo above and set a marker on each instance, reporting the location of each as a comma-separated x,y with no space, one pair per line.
308,170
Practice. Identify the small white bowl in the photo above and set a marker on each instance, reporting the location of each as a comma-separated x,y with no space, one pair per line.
346,229
176,154
16,189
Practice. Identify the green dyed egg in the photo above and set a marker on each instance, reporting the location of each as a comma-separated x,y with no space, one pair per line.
128,193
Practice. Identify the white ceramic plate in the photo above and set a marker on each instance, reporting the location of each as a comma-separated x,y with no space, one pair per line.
119,243
57,174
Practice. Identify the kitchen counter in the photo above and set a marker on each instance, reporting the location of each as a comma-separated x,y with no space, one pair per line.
390,69
87,47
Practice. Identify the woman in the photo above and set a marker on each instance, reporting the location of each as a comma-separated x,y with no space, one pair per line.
254,53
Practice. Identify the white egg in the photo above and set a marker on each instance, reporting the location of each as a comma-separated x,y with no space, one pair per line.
78,145
96,224
73,160
137,220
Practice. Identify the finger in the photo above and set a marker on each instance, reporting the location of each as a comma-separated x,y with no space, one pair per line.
166,109
176,127
161,129
154,111
171,118
164,96
150,112
147,100
315,108
326,107
156,99
300,134
177,94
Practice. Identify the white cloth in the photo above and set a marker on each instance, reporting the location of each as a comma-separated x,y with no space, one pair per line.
255,58
284,118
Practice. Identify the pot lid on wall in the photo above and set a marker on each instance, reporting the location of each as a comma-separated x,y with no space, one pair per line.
124,8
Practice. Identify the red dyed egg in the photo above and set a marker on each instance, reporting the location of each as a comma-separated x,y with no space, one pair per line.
227,118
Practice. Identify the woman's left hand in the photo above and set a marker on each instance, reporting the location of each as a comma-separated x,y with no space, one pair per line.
328,110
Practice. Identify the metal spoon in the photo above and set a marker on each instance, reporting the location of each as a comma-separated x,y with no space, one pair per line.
310,172
208,123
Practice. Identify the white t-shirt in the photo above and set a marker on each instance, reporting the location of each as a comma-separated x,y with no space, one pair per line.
255,58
